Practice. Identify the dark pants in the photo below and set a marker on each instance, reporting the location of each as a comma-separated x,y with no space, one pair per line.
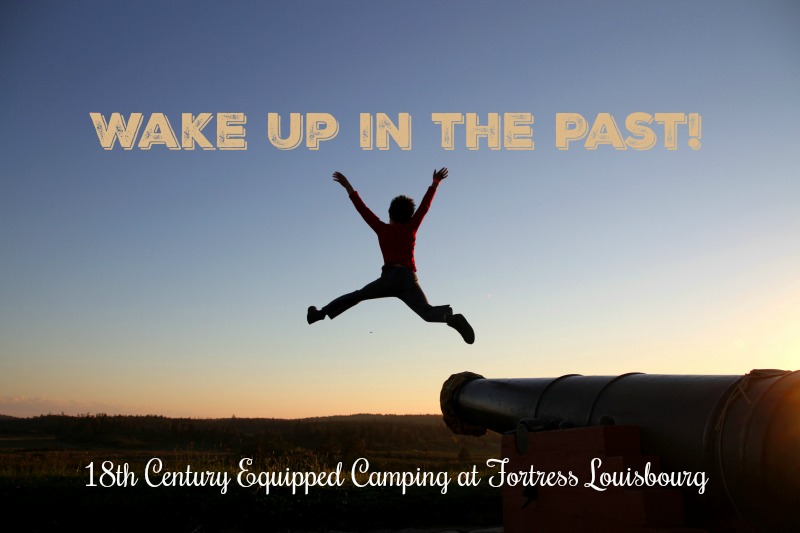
399,282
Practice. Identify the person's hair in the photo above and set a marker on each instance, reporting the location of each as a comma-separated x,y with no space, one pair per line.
401,209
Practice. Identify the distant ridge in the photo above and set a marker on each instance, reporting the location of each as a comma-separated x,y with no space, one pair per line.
333,418
368,417
332,436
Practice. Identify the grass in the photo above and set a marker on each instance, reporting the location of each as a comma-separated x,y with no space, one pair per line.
43,474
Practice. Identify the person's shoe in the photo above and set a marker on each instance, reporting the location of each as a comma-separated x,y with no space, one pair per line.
460,324
314,314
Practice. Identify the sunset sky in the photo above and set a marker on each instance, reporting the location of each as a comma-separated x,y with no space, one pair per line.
176,282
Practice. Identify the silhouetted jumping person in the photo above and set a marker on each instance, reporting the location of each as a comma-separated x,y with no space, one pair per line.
398,275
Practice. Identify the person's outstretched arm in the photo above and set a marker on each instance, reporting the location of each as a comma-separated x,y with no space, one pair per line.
369,217
425,204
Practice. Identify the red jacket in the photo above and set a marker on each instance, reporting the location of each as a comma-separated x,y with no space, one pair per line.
396,240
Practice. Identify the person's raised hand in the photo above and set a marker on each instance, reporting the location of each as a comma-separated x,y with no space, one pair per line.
340,178
439,175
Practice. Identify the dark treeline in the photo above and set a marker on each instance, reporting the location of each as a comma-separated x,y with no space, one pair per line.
335,437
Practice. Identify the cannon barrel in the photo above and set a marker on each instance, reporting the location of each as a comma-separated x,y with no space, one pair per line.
743,431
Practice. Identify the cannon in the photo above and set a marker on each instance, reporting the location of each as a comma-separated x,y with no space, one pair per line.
742,430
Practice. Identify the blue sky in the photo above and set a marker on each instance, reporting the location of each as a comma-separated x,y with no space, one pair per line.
176,282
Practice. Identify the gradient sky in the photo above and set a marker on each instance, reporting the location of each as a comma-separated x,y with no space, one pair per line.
176,282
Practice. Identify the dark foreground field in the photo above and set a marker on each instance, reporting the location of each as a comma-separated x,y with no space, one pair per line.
44,474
